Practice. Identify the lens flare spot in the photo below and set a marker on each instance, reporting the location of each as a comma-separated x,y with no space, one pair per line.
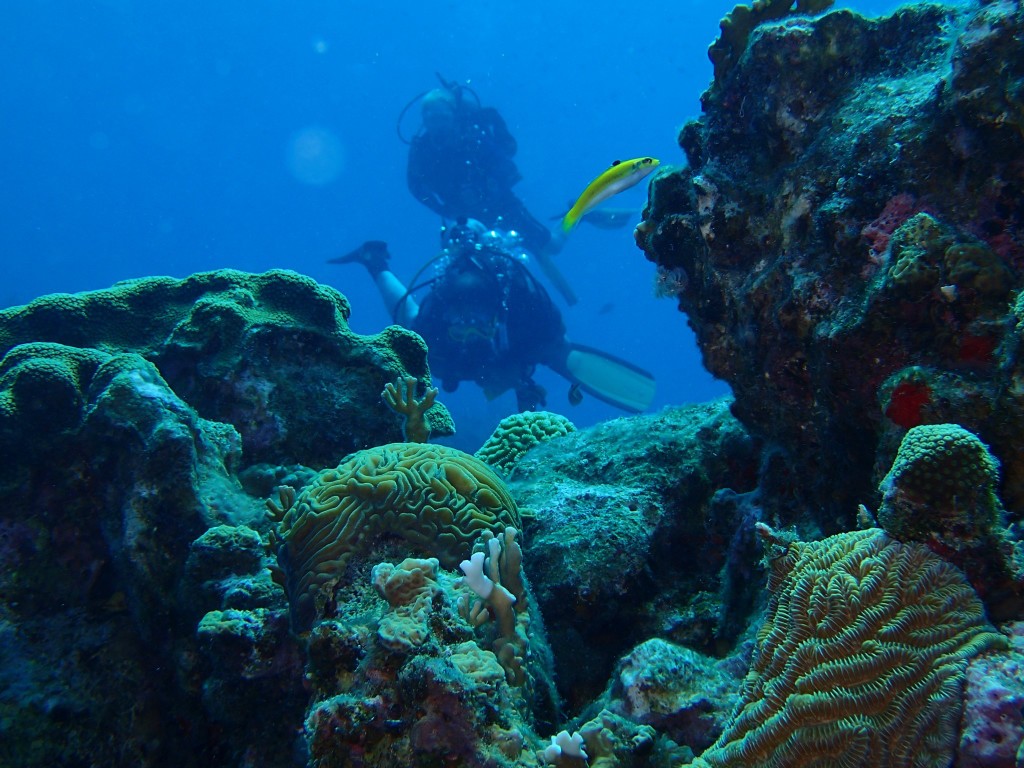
315,156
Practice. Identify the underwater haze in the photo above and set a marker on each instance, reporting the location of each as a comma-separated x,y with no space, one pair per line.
170,138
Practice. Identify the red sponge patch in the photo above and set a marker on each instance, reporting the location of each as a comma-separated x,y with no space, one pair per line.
905,403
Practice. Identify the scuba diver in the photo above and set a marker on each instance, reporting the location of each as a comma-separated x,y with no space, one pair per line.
461,167
487,319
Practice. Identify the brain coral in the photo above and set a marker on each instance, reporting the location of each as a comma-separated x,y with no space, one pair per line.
942,480
518,433
861,660
437,499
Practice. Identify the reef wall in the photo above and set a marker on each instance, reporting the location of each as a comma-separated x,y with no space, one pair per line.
847,241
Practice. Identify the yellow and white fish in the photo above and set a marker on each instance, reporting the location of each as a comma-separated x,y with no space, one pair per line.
621,175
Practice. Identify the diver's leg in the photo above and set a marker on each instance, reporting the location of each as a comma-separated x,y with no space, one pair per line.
402,307
373,254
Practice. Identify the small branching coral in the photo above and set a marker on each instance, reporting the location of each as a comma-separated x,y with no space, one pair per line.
494,573
401,398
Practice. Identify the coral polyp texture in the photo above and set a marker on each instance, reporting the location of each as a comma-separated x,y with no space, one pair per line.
743,19
861,660
851,209
518,433
942,481
941,491
436,500
250,350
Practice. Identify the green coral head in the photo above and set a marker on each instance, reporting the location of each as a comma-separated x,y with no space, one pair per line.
943,480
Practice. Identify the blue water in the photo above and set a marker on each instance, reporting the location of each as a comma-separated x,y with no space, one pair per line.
142,138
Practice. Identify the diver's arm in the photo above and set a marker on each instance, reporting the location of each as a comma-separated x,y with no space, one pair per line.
421,190
493,123
419,172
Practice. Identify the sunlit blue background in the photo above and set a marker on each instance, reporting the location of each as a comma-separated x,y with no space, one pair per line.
142,138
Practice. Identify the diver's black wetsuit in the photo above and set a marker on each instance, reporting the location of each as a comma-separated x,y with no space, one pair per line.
486,319
467,171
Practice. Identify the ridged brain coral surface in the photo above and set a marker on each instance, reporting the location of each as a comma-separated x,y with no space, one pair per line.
438,499
861,659
518,433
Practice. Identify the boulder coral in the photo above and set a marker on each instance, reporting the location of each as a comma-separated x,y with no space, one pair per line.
942,492
250,350
942,484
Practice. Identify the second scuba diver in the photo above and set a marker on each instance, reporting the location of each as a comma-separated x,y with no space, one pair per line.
461,165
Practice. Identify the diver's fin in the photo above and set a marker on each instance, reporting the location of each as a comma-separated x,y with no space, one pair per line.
371,252
612,218
605,218
608,378
553,273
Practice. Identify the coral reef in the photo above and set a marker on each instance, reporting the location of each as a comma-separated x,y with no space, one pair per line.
401,675
518,433
436,500
861,660
108,478
738,24
846,241
139,618
992,731
248,350
608,510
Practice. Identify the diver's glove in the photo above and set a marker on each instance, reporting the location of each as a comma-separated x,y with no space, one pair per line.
373,254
